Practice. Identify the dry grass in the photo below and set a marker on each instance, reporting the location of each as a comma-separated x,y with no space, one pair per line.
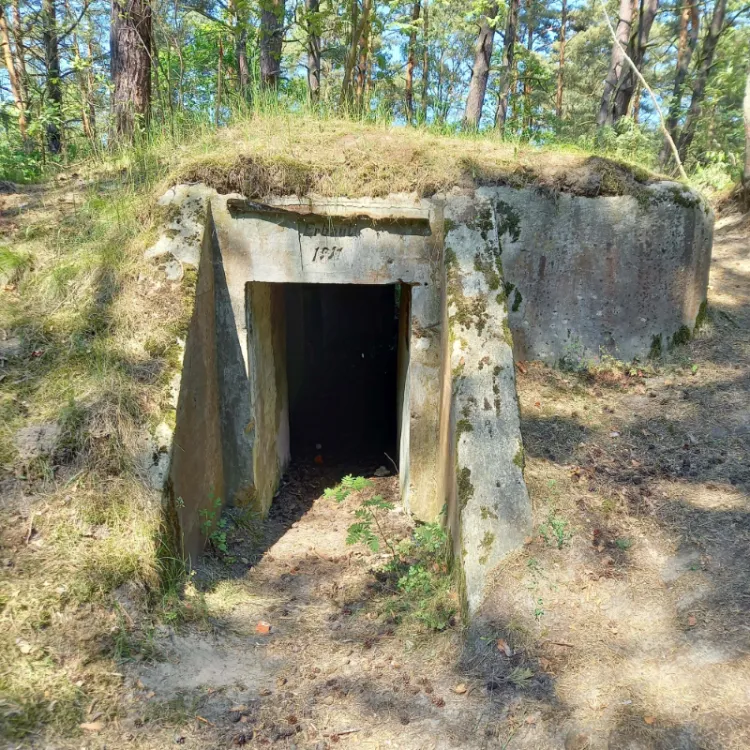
94,334
292,154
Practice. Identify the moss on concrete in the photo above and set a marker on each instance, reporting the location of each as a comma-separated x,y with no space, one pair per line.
486,513
702,317
486,544
684,198
682,336
464,487
469,311
508,220
488,270
517,299
520,459
462,426
656,347
507,335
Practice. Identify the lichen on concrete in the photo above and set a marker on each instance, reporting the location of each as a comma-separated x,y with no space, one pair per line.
491,495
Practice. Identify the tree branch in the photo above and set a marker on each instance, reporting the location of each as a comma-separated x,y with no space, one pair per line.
645,85
75,23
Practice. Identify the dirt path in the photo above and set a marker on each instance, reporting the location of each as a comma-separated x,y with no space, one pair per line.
625,620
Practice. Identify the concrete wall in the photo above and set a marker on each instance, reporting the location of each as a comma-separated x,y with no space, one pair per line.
491,272
269,402
198,447
591,275
489,505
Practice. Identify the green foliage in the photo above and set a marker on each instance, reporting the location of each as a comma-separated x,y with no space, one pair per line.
368,515
422,593
416,578
539,609
346,487
214,526
555,530
521,677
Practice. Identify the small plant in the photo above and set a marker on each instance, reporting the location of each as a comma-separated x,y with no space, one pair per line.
623,543
369,513
422,581
539,609
250,521
347,486
416,578
214,527
520,677
574,357
555,530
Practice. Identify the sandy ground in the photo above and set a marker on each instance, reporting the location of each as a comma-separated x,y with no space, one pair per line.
626,615
625,619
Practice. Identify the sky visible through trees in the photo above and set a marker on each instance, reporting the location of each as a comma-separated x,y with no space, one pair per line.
80,75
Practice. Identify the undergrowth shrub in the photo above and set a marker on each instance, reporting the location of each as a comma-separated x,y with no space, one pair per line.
415,582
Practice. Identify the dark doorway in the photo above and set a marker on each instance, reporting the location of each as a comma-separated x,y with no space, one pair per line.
342,371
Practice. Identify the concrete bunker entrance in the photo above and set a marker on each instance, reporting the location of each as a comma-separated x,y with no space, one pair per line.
245,386
363,328
344,371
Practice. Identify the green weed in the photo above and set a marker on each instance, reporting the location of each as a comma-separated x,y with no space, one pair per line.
416,581
555,530
214,526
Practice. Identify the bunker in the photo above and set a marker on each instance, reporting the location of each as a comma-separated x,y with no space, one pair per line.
350,327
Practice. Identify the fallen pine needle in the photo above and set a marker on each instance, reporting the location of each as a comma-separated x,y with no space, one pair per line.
342,732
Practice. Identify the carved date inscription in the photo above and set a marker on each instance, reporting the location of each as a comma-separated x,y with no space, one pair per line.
327,253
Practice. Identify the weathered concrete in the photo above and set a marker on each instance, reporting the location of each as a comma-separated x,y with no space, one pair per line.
252,250
487,272
490,510
586,276
197,468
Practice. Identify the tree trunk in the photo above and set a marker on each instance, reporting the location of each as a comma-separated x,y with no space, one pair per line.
561,61
90,101
238,12
686,43
425,60
11,66
480,72
217,103
411,62
701,79
627,84
312,8
130,60
527,87
508,72
52,81
746,117
637,103
357,29
83,76
271,39
20,56
240,52
364,51
616,63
